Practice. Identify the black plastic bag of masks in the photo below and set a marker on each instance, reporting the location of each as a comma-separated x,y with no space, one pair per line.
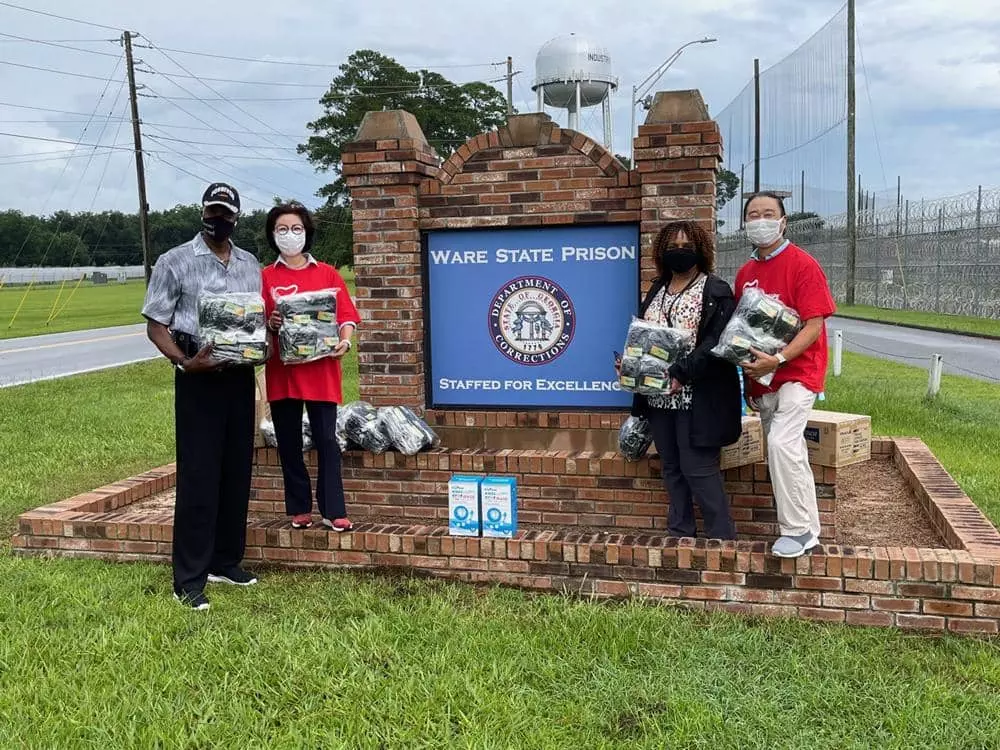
650,350
309,329
760,322
634,438
233,323
358,426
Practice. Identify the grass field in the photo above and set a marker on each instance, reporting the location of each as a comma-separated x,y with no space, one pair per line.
956,323
97,655
88,306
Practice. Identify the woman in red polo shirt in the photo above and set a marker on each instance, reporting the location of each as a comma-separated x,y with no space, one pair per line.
315,385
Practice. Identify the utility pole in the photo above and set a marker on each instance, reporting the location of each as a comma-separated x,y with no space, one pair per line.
756,125
140,172
852,216
510,85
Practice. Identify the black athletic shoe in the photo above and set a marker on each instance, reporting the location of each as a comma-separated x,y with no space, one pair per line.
192,599
234,576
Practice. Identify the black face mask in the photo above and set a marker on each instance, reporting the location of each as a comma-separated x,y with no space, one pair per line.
217,228
680,261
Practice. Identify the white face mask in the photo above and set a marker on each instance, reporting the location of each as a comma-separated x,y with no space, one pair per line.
764,232
290,244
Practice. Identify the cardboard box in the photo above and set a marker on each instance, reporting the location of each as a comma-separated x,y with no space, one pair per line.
498,501
463,505
749,449
838,440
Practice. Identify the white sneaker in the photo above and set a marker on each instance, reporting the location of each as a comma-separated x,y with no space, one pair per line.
794,546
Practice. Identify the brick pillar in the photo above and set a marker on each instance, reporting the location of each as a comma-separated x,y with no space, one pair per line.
677,155
383,167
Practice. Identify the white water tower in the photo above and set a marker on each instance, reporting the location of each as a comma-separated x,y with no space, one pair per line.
572,73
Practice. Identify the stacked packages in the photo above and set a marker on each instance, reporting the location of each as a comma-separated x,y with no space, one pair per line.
309,329
761,322
234,323
650,350
361,425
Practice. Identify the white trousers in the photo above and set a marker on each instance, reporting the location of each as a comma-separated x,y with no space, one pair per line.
783,416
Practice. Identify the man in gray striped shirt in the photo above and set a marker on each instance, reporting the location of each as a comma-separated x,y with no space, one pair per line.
213,404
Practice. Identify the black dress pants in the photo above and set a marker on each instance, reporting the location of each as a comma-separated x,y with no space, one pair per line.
214,413
690,473
287,417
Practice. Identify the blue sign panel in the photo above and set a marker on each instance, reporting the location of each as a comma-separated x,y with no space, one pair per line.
530,317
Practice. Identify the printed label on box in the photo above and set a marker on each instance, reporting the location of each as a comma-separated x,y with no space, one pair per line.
499,507
463,505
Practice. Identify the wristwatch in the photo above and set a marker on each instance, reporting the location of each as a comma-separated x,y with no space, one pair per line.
349,344
179,366
781,358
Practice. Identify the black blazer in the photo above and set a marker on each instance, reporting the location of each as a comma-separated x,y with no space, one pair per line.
717,407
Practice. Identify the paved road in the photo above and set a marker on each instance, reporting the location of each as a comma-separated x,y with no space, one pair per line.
963,355
56,355
24,360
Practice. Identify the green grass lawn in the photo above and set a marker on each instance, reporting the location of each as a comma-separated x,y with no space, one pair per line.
956,323
97,655
87,306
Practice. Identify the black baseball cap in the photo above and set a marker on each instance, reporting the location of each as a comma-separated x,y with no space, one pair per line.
221,194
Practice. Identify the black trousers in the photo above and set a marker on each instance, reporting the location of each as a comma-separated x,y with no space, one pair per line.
287,417
214,413
690,473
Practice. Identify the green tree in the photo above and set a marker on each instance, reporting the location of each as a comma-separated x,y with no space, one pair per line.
727,187
449,113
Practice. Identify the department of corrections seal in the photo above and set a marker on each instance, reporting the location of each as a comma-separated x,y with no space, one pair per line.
531,320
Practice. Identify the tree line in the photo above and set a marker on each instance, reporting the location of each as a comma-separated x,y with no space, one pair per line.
111,238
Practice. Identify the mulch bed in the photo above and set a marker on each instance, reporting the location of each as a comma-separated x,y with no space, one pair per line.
875,507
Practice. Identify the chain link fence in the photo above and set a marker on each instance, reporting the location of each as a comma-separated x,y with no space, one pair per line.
934,256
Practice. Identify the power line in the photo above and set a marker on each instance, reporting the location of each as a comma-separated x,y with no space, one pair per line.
248,83
62,140
54,43
53,70
217,93
223,145
61,18
335,66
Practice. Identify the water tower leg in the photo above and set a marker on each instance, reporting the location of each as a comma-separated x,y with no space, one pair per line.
609,133
575,113
541,100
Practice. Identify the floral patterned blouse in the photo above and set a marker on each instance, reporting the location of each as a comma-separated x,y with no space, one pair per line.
682,310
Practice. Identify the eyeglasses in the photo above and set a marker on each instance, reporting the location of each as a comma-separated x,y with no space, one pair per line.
296,230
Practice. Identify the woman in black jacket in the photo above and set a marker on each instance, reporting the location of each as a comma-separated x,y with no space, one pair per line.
703,410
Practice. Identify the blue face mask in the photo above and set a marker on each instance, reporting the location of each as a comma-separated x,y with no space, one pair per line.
218,228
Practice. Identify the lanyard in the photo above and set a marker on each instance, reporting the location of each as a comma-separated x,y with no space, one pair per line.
677,298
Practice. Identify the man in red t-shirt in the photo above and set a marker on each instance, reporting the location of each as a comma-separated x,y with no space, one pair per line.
786,271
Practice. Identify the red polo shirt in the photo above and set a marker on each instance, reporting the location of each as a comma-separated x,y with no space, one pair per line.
310,381
797,279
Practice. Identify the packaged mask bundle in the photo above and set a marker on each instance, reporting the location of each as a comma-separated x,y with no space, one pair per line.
650,350
234,323
634,438
761,322
358,426
309,329
407,432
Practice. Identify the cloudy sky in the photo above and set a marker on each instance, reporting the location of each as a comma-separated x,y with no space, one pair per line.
933,77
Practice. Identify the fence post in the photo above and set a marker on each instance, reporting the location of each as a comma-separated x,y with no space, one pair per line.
878,264
838,352
937,274
934,382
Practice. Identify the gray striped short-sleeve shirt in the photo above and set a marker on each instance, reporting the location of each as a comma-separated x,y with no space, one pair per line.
182,274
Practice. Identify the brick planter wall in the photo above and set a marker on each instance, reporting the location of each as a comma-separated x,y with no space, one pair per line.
932,589
555,489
